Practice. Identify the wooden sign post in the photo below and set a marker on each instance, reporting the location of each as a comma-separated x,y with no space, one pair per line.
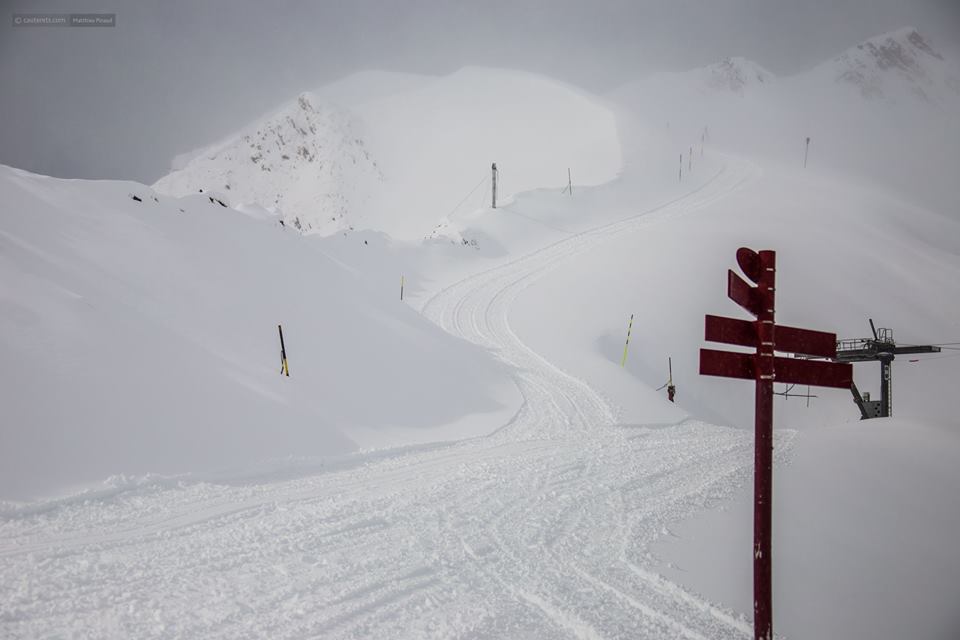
763,367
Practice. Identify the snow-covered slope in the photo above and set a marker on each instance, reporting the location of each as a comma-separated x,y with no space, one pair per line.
847,506
548,525
895,66
141,336
307,162
399,153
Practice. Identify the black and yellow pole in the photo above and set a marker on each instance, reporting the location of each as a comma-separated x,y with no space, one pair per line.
284,369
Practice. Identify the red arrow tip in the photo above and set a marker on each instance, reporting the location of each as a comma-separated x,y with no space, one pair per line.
749,262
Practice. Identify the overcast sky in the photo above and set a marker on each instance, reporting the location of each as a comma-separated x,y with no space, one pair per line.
174,75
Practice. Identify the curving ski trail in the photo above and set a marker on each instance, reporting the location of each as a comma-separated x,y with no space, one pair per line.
540,529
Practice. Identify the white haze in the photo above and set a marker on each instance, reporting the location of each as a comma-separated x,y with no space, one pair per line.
177,74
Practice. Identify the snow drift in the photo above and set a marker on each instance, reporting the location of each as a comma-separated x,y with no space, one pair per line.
141,335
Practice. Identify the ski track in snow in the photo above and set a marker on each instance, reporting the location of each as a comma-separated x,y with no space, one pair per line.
539,530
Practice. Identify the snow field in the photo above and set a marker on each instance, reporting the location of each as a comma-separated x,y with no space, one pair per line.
571,500
539,529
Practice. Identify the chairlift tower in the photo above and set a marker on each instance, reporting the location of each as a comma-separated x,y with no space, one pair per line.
883,349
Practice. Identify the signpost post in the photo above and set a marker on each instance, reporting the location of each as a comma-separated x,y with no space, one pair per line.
764,367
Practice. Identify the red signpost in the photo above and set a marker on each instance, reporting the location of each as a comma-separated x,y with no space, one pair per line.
764,367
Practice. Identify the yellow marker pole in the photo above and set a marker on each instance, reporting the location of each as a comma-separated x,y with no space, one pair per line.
623,362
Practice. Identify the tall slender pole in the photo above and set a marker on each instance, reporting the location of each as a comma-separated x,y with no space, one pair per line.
623,361
806,152
569,182
493,182
763,452
886,385
401,287
680,178
671,389
690,161
285,369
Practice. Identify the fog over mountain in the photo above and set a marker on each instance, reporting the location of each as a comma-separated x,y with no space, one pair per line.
881,110
340,159
174,72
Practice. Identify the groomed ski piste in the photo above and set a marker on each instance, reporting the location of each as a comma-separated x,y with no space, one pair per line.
472,462
538,530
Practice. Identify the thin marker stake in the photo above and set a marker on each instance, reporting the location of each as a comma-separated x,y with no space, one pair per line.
671,389
284,369
623,361
401,287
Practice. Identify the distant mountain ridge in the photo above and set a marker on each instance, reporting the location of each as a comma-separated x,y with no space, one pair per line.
884,110
729,76
397,152
879,67
888,64
306,162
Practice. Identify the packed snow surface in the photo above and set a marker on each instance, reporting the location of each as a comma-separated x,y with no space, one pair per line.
477,460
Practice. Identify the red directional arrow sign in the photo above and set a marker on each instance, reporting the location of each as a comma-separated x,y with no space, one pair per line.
790,370
818,374
727,364
789,339
742,293
764,367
